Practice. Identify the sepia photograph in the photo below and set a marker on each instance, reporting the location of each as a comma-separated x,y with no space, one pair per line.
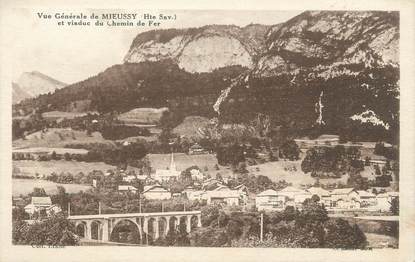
230,129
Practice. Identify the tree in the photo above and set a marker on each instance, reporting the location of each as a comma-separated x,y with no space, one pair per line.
377,170
341,235
38,192
67,156
290,150
61,198
56,230
54,156
367,161
395,206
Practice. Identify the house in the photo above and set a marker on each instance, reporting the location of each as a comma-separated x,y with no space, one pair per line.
323,140
196,149
367,200
17,202
156,192
127,188
188,190
294,196
243,192
196,174
223,194
384,200
345,198
211,183
38,204
270,200
167,174
53,209
196,195
129,178
323,194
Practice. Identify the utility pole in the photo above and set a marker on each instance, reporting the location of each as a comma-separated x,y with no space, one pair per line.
69,209
139,203
162,207
99,207
184,207
261,237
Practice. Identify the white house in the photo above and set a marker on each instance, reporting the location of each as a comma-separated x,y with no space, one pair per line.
345,198
211,182
129,178
196,174
384,200
167,174
269,200
197,195
53,209
323,194
223,194
197,149
127,188
37,204
367,200
323,140
156,192
295,197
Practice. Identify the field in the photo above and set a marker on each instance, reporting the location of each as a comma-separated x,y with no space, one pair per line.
183,161
54,115
143,115
25,186
284,170
381,241
191,125
58,137
30,168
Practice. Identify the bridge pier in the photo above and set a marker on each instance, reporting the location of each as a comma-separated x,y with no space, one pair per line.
167,226
189,224
105,231
88,233
199,220
156,228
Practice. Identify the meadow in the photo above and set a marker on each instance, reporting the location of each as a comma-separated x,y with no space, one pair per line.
25,186
31,167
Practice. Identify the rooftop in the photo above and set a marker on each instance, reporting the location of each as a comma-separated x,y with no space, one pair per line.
269,192
41,201
341,191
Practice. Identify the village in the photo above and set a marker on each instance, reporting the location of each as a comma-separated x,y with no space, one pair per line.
228,193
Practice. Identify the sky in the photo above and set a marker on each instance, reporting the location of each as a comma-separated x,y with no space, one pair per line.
72,54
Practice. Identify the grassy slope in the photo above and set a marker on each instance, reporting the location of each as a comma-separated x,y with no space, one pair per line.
30,168
59,137
25,186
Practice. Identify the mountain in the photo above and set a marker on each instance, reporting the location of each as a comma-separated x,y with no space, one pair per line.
127,86
18,94
322,70
201,49
32,84
325,71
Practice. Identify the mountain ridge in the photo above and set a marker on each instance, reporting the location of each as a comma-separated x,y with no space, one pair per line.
320,69
32,84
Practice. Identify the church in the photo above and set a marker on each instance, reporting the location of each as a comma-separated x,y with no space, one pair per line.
164,175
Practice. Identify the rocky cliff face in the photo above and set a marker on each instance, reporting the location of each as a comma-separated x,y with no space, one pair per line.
321,69
201,49
32,84
331,40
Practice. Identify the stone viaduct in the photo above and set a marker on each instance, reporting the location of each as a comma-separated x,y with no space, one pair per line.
149,225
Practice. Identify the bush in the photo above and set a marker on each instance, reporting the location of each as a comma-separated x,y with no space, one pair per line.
56,230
